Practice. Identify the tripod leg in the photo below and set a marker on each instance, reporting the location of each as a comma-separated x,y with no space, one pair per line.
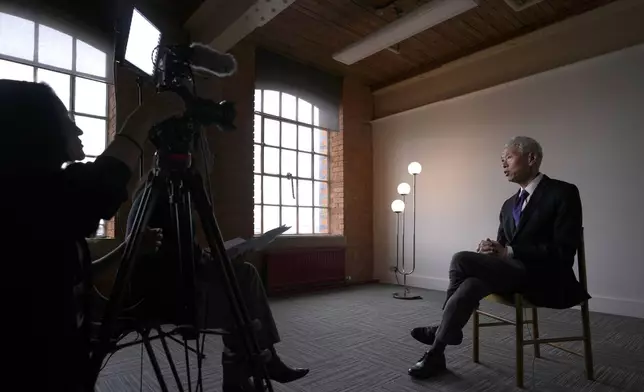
114,304
187,356
168,354
239,310
154,361
182,220
193,350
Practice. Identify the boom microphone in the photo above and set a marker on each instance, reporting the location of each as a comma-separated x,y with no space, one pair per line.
208,60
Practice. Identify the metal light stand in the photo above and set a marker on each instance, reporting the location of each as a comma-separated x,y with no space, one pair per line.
397,239
406,294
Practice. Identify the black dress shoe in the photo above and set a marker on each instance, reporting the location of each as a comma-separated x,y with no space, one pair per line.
427,335
280,372
431,364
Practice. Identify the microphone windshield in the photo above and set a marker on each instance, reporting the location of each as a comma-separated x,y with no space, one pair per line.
208,60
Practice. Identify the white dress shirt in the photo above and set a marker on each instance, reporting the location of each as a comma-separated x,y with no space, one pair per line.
530,188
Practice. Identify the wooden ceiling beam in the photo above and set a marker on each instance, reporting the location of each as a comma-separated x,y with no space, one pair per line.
605,29
223,23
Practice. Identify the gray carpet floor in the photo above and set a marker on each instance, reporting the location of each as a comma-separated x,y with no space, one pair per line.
357,339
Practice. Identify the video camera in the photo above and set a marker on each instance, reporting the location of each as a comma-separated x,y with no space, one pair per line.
173,67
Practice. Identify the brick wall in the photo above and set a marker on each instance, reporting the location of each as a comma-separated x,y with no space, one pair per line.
110,226
232,164
354,144
336,186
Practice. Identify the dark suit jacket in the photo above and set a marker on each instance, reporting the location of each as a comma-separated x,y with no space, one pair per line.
546,241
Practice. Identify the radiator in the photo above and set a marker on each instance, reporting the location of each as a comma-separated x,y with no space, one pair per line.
303,269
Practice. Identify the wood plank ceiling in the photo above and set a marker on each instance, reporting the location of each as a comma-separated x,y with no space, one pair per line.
311,31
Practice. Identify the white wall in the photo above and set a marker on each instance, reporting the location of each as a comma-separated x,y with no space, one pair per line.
589,118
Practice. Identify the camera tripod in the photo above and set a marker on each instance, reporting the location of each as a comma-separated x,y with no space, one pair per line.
175,177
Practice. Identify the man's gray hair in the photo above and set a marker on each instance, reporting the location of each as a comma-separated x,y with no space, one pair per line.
526,145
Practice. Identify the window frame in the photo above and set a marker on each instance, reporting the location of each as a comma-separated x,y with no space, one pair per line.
73,74
295,178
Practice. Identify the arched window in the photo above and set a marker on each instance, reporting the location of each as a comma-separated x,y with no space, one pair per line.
291,165
76,71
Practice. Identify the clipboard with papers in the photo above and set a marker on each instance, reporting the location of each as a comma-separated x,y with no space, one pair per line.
238,247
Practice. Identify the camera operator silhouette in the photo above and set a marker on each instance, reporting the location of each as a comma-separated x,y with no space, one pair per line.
47,274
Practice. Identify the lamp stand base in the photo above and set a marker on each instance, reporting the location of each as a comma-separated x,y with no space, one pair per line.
406,294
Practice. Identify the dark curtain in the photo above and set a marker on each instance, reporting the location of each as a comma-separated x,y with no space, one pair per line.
275,72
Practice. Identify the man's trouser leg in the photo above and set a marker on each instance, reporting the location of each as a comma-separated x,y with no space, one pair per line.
472,277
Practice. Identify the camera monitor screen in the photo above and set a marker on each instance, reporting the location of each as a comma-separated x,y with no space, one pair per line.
142,42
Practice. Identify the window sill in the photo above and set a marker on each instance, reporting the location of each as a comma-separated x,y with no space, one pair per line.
308,241
100,240
99,247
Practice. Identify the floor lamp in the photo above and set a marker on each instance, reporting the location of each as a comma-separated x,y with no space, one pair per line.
414,169
398,206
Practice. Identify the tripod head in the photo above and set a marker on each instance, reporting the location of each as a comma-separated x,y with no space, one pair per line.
175,69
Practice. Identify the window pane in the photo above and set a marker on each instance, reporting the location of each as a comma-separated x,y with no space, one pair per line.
304,112
304,165
304,136
289,162
289,218
320,194
305,193
271,132
91,97
257,133
258,100
257,183
59,82
316,116
271,190
320,167
15,71
257,159
100,232
257,220
289,107
321,220
305,219
54,47
90,60
94,133
320,141
271,217
289,135
271,160
287,192
272,102
17,37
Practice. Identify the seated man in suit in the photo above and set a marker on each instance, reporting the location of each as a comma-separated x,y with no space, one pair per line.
538,236
163,288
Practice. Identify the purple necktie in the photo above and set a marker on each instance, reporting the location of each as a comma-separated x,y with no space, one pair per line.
516,212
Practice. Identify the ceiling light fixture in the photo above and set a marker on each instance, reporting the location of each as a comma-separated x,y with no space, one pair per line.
421,19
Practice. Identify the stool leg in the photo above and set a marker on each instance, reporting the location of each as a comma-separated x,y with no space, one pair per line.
588,350
519,339
475,336
535,327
